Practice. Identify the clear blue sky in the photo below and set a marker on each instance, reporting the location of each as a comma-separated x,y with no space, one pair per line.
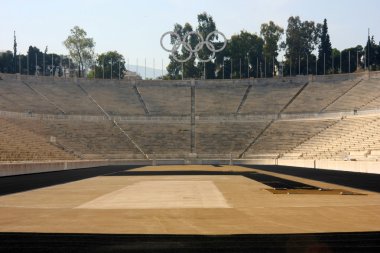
134,28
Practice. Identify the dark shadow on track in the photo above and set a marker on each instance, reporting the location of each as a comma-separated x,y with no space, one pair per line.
19,183
324,242
364,181
271,181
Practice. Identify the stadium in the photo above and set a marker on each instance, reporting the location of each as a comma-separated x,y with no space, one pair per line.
190,165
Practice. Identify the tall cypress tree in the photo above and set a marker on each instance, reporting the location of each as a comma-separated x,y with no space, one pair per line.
14,52
324,51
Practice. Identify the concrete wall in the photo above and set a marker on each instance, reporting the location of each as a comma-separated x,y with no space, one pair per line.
19,168
353,166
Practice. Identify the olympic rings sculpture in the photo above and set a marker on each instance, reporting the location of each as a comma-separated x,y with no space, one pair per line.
178,42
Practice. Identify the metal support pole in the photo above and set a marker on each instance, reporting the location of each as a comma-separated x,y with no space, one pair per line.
332,62
223,67
137,66
316,66
111,67
204,71
231,68
36,65
307,64
119,69
247,65
257,66
299,65
43,64
357,60
265,67
52,64
324,63
290,67
154,69
103,68
19,63
349,61
182,70
27,63
273,74
240,68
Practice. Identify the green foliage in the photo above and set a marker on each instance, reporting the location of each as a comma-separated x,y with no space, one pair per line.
271,34
374,53
301,40
33,54
175,68
193,68
81,48
206,25
324,51
351,59
245,46
6,62
103,64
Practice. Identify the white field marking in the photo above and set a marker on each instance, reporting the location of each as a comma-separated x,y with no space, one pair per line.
161,195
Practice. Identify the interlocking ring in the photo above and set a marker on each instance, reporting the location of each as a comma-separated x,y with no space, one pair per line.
186,45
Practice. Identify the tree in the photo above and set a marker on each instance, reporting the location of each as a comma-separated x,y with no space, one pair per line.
336,60
14,52
206,25
324,50
271,34
193,68
6,62
301,40
104,62
373,50
81,48
351,58
175,68
33,53
248,48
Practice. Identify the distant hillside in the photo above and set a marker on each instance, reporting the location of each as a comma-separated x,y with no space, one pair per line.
149,72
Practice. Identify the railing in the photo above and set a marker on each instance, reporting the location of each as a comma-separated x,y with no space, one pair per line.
300,78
